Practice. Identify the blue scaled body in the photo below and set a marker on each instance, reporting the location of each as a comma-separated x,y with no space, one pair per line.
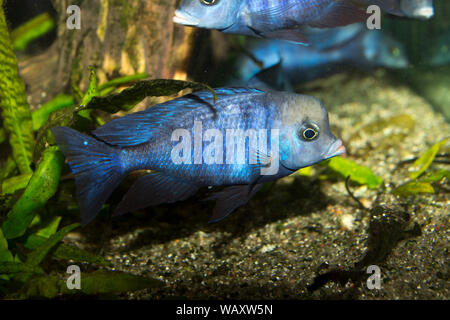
282,65
245,138
272,19
284,19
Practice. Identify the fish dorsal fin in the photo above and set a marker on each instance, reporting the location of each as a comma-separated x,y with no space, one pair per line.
340,14
143,126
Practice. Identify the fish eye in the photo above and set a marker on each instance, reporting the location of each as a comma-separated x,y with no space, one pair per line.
309,132
209,2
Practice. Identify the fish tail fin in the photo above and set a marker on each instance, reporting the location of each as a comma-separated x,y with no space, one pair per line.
96,167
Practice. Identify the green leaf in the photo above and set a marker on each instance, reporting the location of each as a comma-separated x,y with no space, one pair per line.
307,172
8,169
31,30
66,252
50,229
11,185
359,174
413,188
436,176
129,97
422,164
6,256
18,267
96,283
16,112
92,90
42,186
101,282
3,242
40,116
121,81
36,257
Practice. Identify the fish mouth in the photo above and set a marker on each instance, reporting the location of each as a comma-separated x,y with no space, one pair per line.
336,149
424,13
185,19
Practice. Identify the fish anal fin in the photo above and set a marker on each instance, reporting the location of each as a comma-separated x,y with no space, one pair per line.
154,189
231,198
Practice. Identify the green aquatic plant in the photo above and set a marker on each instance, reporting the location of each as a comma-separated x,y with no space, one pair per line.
421,180
424,161
31,30
42,186
15,110
359,174
30,224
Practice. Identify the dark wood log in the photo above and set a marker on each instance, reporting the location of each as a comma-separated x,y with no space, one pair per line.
118,37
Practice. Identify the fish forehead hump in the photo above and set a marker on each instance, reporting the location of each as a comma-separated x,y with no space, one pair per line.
296,108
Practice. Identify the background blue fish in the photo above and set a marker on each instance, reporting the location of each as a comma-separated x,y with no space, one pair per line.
144,140
418,9
275,19
272,19
283,64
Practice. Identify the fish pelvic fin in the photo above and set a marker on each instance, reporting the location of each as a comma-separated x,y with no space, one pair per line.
154,189
231,198
96,167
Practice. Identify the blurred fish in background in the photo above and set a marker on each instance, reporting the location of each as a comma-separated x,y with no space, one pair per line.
270,19
282,65
417,9
438,51
283,20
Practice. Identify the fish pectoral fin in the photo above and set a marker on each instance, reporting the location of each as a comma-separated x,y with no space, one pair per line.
340,14
291,35
154,189
231,198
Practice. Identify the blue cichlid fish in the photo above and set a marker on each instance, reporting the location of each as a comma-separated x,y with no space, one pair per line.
272,19
285,64
244,139
284,19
